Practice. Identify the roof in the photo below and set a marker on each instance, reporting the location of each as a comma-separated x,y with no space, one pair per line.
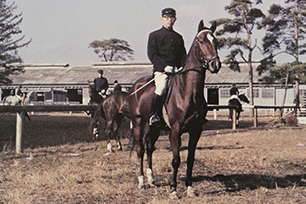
125,73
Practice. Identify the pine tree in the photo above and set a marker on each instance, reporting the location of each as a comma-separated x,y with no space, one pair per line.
10,41
239,32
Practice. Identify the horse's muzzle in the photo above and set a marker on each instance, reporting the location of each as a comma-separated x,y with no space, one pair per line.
215,65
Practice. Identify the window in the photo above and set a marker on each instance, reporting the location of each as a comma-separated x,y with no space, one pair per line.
267,93
224,93
255,93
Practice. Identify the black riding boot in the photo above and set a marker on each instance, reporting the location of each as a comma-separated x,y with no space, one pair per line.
156,107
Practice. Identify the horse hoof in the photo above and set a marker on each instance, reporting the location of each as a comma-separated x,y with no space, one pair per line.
150,177
173,195
191,192
119,147
141,182
109,147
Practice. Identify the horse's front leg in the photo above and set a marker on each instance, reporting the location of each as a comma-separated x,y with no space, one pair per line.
140,150
194,136
152,136
176,160
237,117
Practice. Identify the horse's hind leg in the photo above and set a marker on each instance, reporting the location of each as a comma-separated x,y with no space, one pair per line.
116,126
108,132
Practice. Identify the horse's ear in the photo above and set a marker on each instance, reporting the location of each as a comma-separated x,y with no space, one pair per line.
213,26
201,26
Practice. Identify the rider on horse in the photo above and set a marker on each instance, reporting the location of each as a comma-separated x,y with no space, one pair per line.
234,95
101,84
167,53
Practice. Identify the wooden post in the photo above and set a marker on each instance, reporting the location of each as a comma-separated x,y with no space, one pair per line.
215,114
19,131
255,116
234,119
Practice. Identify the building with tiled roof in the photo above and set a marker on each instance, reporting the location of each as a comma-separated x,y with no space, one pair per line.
53,82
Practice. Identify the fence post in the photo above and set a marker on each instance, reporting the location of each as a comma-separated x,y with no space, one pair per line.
255,116
215,114
19,131
234,119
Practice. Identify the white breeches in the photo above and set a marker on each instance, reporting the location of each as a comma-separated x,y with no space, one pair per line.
160,82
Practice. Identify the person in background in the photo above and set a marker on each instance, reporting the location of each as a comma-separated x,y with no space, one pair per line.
117,86
101,83
167,53
234,92
19,92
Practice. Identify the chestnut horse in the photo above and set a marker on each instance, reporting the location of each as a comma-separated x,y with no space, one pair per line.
109,111
185,106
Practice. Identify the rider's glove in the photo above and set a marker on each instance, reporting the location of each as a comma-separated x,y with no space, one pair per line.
168,69
103,91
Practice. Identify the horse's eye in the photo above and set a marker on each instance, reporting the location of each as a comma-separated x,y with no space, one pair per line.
201,41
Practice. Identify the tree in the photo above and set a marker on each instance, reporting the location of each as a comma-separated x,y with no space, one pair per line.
285,30
246,19
10,42
112,50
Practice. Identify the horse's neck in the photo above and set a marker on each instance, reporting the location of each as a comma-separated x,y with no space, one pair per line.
191,83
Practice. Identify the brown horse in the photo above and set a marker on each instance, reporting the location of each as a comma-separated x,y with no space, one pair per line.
186,108
109,111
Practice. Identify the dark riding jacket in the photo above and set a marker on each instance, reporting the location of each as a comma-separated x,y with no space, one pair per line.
166,48
234,91
101,83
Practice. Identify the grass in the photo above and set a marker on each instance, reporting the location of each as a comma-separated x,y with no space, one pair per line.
263,165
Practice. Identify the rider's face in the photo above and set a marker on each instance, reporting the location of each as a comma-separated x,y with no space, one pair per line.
168,21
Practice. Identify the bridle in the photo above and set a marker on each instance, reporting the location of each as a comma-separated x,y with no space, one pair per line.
203,58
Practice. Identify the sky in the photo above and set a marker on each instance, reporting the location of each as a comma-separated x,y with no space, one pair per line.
61,30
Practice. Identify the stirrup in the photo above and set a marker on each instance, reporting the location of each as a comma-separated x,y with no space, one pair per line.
154,119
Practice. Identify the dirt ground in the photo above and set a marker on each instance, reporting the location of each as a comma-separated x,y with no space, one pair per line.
62,164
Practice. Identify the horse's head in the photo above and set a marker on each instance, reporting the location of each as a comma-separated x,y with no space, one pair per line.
206,47
243,98
91,88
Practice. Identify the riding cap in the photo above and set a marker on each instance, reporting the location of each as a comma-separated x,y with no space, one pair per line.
100,71
169,12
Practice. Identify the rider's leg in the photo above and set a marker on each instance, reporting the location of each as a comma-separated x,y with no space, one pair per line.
157,103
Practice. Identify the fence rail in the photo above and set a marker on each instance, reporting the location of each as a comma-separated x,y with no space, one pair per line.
21,110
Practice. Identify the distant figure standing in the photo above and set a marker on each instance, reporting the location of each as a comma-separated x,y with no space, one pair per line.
117,86
101,84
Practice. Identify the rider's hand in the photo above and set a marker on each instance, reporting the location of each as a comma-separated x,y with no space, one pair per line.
168,69
103,91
